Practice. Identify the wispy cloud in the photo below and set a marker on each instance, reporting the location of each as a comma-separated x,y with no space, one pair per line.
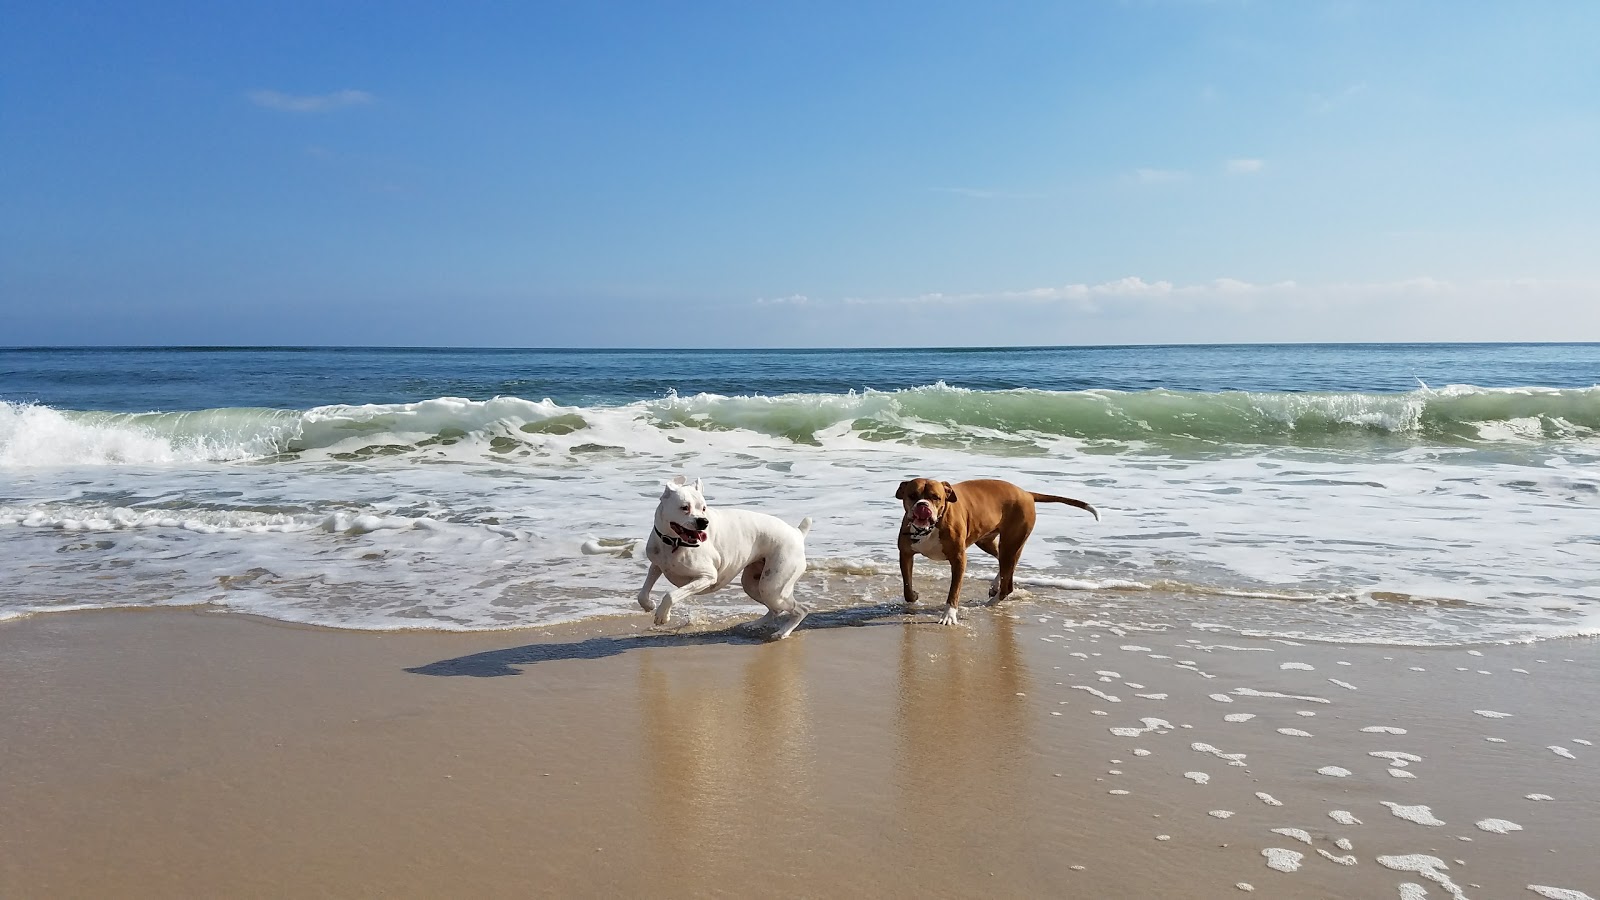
1321,103
1160,176
1134,289
1245,166
309,103
986,194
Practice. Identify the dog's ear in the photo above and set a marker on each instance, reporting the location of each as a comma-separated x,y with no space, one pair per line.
949,492
679,481
697,488
904,489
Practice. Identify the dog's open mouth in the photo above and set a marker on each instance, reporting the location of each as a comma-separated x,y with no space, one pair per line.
922,516
687,536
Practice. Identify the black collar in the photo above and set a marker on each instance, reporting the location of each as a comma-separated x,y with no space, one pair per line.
675,542
917,534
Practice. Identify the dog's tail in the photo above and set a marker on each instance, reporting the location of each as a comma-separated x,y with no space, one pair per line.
1051,498
804,526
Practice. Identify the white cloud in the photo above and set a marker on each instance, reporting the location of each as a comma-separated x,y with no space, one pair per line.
1160,176
1245,166
790,300
985,194
1230,292
310,102
1322,103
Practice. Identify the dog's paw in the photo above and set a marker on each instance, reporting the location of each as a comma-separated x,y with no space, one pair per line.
663,613
646,603
911,598
950,617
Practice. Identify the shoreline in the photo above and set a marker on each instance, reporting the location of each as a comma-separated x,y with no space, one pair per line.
174,752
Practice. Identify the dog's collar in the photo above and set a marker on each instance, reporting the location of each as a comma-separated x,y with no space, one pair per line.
675,542
917,534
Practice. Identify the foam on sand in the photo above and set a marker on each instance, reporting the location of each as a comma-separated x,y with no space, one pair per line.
1268,799
1151,723
1383,729
1349,860
1298,834
1294,732
1419,814
1429,867
1343,817
1561,751
1334,771
1282,860
1555,893
1498,826
1198,777
1238,717
1252,692
1491,714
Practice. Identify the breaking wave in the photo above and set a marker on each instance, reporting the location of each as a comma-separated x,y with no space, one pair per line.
1008,421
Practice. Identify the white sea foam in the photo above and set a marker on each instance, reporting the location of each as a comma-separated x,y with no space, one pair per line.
1198,777
1420,814
1294,732
1430,867
1238,717
1497,826
1555,893
1268,799
1344,817
1383,729
1348,860
1561,751
1334,771
1282,860
545,505
1252,692
1297,833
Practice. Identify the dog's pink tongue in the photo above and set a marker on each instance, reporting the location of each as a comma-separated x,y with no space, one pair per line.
700,535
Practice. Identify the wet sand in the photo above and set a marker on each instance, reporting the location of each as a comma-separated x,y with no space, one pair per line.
181,753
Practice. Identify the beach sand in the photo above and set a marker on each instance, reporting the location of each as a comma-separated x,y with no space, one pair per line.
181,753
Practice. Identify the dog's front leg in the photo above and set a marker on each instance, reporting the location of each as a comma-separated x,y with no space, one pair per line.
645,603
699,585
907,558
958,570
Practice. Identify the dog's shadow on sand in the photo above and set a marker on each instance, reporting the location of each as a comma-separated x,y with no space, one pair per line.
495,663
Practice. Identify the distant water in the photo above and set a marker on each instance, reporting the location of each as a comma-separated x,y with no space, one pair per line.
1387,493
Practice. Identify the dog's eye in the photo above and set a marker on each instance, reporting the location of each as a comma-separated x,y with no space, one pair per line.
686,508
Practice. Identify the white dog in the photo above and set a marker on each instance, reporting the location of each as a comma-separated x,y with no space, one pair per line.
700,550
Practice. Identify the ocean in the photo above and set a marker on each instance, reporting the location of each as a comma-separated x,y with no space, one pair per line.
1403,494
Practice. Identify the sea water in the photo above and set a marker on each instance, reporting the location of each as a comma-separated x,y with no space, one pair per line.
1380,493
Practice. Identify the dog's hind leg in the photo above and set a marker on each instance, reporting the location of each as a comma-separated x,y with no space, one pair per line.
750,580
777,592
1010,553
991,546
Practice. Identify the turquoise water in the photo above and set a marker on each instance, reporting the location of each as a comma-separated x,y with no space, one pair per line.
1392,493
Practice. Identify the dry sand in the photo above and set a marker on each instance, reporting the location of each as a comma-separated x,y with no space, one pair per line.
186,754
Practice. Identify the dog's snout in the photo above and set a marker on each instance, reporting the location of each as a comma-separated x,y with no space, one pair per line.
701,523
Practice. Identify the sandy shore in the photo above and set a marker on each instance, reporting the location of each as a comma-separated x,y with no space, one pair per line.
179,753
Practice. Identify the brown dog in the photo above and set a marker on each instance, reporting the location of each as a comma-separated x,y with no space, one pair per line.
942,520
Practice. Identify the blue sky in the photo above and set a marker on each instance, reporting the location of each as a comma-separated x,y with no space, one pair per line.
766,174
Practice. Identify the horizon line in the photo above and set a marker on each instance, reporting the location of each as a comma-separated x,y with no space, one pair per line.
835,349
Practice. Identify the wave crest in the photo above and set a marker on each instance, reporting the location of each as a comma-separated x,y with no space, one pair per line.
935,415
